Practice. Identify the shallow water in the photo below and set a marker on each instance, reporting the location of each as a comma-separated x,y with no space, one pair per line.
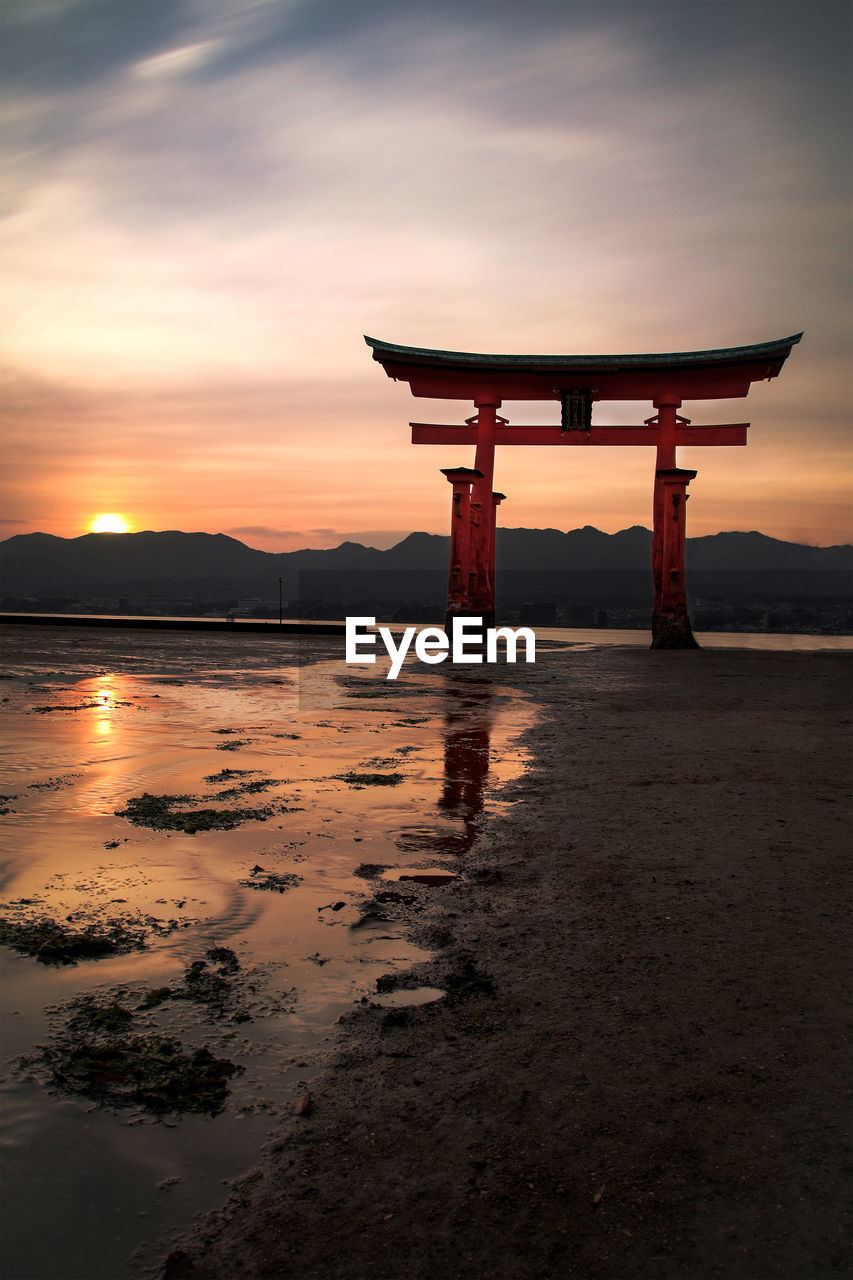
783,641
90,721
575,637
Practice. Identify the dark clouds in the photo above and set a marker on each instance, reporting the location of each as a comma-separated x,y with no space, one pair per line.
56,45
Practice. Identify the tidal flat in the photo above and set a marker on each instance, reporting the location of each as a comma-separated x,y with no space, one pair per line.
638,1069
185,912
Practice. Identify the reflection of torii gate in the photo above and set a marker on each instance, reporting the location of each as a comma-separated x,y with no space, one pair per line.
577,381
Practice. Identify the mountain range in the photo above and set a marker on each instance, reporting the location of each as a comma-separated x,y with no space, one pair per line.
583,567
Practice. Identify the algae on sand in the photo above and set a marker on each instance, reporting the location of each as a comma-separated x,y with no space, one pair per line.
213,989
276,882
53,943
96,1055
159,813
355,779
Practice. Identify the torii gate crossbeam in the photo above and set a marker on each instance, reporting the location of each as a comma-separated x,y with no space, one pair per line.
577,382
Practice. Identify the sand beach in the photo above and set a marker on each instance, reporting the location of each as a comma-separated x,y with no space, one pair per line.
637,1067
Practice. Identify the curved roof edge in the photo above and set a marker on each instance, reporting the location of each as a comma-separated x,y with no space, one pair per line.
387,351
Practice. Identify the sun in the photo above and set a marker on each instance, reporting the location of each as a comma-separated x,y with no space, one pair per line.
109,522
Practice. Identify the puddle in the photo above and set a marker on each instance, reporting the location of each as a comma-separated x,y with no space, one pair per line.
123,819
408,998
428,875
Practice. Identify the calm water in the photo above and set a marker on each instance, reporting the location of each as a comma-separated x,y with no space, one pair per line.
592,637
585,636
90,720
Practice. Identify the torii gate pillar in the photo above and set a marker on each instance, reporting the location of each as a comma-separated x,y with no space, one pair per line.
482,594
670,621
497,499
459,580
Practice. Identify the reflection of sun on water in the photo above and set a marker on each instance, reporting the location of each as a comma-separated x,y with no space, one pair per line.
109,522
103,695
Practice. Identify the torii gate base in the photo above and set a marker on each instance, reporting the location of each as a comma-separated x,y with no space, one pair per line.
459,583
670,620
576,382
673,631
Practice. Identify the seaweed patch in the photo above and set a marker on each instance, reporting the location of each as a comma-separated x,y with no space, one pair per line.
370,870
96,1055
54,943
166,813
250,787
204,984
276,882
228,775
77,937
54,784
354,779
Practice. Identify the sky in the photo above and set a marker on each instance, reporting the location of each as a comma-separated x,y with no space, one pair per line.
208,203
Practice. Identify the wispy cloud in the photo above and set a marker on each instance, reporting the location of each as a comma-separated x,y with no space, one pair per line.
209,203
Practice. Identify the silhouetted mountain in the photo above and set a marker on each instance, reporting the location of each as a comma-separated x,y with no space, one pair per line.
583,568
40,561
755,551
580,549
418,551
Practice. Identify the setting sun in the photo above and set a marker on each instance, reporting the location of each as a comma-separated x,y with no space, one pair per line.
109,522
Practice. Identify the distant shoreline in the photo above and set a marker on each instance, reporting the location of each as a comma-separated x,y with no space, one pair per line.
295,627
242,625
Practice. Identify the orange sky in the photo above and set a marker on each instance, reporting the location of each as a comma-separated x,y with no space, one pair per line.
209,205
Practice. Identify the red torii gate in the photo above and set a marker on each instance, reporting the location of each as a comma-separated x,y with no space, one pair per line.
666,380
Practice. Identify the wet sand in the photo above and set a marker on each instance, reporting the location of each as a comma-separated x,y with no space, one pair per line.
638,1068
205,839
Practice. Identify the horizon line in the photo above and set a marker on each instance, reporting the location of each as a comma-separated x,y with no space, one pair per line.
414,533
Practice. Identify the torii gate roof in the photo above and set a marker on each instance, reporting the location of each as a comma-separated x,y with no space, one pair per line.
721,373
